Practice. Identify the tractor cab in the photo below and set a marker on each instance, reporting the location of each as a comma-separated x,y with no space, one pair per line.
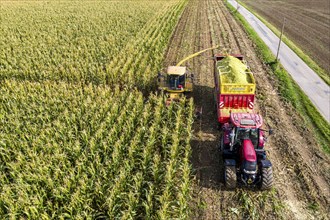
241,134
244,126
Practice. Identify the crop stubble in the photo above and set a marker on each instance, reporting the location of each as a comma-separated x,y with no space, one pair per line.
301,169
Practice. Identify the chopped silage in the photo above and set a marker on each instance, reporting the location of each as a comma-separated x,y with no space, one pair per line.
232,70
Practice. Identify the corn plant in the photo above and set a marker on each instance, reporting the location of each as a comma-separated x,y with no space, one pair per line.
78,139
87,151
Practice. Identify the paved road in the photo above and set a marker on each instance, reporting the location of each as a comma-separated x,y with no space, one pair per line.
313,86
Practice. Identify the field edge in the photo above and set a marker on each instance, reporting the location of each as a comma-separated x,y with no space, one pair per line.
305,57
289,90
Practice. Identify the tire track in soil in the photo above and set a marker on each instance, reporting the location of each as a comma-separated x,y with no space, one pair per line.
193,34
293,150
228,32
208,162
315,188
290,144
172,56
219,35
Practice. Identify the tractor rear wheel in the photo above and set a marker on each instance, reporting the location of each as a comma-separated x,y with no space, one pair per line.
230,177
266,178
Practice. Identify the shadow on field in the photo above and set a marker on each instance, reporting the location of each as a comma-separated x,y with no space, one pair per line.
206,160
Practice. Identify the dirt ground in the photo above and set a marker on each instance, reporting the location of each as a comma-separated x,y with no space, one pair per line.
307,24
301,169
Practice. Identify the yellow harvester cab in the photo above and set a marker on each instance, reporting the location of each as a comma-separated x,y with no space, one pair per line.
176,81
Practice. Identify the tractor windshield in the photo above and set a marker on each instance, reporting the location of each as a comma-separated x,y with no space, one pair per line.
247,133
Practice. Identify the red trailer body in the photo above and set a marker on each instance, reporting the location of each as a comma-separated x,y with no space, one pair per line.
233,103
232,97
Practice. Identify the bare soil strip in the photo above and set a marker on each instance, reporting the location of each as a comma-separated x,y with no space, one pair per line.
302,171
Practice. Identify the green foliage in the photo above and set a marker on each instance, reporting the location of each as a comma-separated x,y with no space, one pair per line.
78,139
313,206
102,42
89,151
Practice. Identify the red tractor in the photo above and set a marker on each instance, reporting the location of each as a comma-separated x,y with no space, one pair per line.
242,142
242,147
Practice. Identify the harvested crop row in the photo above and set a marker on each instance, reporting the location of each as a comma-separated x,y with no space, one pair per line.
292,149
77,152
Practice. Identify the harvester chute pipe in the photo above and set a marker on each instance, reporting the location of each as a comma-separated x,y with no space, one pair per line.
196,54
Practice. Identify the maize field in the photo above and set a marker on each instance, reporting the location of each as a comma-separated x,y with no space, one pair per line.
82,134
102,42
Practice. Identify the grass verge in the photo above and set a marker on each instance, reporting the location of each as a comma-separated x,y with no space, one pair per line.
289,90
311,63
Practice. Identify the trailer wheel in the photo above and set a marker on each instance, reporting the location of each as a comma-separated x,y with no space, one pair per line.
230,177
266,178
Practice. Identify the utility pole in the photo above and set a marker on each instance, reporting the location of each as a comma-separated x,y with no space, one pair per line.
279,43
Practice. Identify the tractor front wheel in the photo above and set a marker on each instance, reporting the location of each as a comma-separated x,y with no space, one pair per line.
230,177
266,178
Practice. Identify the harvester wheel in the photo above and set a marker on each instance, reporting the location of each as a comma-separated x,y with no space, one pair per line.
230,177
266,178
